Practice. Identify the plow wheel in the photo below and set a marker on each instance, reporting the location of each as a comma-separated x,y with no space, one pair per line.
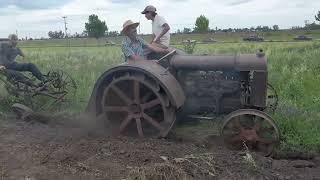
250,129
62,83
136,105
59,91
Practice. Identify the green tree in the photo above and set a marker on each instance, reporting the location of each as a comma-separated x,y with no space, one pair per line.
55,34
202,24
95,27
186,30
318,16
275,27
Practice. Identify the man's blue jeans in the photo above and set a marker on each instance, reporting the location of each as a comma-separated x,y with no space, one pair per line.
26,67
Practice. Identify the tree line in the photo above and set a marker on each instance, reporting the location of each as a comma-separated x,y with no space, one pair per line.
97,28
93,28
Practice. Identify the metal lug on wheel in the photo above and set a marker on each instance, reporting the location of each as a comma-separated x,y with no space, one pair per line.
134,106
254,128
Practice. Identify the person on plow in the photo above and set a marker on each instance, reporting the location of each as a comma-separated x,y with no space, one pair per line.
8,53
134,47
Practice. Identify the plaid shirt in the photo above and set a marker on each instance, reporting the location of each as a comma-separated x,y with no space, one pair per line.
130,48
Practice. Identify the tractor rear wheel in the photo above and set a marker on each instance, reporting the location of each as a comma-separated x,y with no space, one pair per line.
136,105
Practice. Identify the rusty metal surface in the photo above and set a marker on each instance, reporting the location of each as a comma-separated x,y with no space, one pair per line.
150,68
243,62
209,92
259,89
135,105
252,62
252,129
137,99
164,77
222,83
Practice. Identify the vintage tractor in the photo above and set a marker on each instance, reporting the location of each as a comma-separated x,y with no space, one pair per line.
144,98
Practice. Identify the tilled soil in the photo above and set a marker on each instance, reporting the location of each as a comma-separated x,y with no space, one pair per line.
33,151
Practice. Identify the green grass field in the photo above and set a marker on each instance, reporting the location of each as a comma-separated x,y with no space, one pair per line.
223,37
293,70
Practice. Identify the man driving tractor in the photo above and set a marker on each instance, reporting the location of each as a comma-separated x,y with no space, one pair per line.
8,53
134,47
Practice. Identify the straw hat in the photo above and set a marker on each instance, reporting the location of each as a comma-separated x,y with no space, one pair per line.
127,24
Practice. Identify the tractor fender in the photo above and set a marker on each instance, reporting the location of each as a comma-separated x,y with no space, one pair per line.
149,68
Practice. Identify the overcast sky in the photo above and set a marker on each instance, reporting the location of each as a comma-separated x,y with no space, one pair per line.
34,18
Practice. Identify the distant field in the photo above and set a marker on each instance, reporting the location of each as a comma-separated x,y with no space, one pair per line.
175,38
293,71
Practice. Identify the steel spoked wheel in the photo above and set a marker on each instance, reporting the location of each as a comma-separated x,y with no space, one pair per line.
272,98
136,105
61,88
61,82
56,93
252,129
